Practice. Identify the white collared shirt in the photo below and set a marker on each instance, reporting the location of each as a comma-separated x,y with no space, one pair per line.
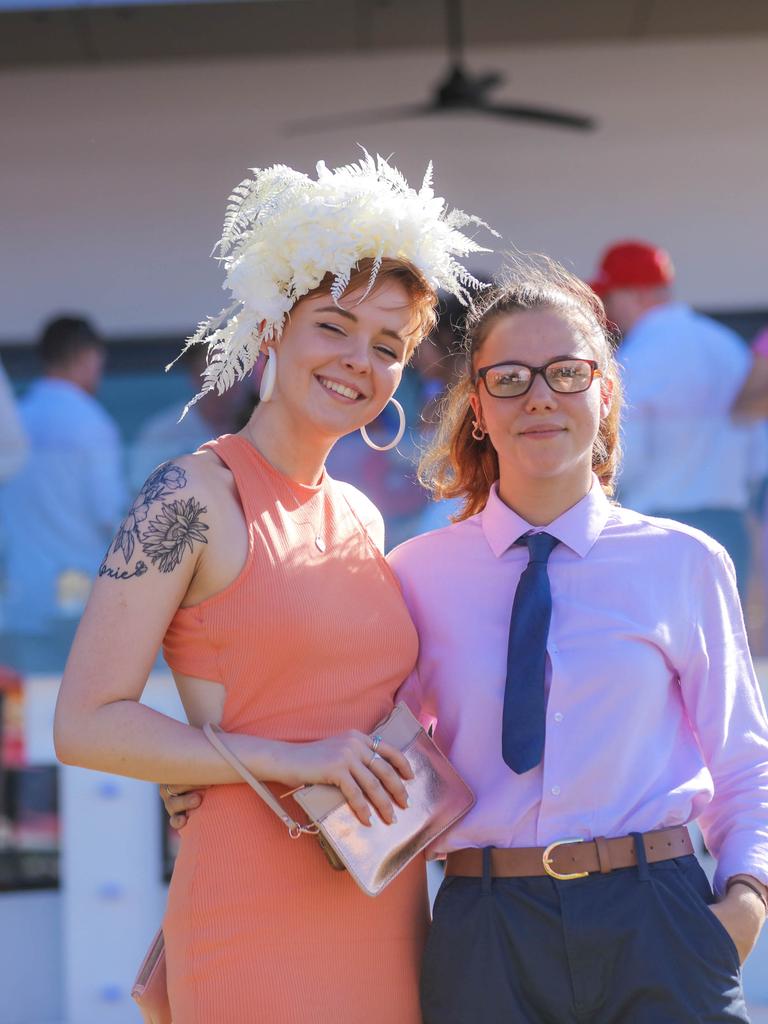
682,451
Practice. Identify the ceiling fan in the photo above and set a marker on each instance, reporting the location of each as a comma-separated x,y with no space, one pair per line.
459,91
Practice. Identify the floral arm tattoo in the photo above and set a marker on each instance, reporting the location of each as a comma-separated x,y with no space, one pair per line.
162,530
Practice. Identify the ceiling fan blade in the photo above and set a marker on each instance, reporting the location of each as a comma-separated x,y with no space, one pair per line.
490,80
323,123
545,115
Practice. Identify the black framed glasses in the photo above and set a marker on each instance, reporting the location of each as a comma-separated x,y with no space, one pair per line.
565,376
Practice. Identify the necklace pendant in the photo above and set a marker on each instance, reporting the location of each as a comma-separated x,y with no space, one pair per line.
320,544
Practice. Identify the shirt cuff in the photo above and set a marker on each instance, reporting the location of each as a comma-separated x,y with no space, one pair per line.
741,860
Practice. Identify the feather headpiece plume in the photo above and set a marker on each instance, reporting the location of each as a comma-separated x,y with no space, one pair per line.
284,231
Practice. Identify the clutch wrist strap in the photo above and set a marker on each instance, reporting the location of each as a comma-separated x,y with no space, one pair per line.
215,735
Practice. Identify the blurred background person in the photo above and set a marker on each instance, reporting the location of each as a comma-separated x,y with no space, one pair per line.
438,361
751,405
752,401
684,456
164,435
13,439
60,510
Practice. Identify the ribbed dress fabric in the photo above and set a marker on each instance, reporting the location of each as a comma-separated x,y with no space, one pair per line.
307,644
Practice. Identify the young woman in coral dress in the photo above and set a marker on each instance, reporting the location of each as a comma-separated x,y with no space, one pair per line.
264,581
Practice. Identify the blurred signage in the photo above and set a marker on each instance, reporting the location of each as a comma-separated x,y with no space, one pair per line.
29,812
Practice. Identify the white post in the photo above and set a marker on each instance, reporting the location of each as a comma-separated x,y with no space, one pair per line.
112,891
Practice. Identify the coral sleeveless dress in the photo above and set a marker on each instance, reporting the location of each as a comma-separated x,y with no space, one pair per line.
307,643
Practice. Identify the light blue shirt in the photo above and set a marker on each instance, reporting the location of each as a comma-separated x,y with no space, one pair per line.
165,437
682,451
14,442
60,511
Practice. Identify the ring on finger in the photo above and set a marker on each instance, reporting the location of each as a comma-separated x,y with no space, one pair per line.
168,792
376,742
375,755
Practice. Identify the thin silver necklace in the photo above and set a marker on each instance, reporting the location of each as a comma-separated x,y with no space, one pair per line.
317,530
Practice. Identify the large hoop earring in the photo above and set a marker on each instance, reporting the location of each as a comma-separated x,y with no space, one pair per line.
268,377
398,436
479,433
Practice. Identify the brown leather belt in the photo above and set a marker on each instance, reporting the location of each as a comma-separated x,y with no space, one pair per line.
572,858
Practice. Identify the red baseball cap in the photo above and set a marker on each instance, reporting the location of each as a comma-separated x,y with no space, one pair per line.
633,265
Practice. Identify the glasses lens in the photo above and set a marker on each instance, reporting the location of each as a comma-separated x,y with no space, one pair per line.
569,376
507,381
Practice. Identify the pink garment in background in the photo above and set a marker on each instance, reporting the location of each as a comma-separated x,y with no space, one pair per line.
760,344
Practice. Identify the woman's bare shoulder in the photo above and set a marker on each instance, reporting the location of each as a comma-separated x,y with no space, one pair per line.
203,470
200,475
167,519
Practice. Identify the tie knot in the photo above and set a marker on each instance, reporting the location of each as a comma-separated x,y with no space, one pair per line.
540,546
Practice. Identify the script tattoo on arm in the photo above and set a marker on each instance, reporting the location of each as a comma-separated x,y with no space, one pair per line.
122,574
164,538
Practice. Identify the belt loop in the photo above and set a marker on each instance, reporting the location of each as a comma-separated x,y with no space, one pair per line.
642,861
603,855
485,885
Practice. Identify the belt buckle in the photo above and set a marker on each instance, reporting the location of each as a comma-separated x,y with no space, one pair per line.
546,861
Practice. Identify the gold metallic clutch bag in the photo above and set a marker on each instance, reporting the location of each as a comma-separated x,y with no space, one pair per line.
375,854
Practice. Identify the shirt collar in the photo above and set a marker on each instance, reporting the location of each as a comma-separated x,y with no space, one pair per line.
57,384
578,528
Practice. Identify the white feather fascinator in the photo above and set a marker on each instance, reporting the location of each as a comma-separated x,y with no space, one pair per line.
283,232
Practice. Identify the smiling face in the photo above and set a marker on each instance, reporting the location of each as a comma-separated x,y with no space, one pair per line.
338,366
542,436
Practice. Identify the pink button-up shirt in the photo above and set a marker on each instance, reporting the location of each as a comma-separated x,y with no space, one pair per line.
654,716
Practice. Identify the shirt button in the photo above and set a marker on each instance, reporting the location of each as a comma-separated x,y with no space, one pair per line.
558,716
555,791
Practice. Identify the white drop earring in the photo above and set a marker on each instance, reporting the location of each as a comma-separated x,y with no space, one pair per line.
268,377
398,436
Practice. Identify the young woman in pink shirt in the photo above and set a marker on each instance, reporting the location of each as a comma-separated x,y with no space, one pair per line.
586,670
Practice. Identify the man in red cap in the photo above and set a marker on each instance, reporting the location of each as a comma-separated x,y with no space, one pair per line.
632,279
684,457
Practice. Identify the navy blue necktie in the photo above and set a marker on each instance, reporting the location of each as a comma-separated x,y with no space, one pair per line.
525,705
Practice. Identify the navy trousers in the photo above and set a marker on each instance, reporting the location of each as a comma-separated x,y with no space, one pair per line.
636,946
